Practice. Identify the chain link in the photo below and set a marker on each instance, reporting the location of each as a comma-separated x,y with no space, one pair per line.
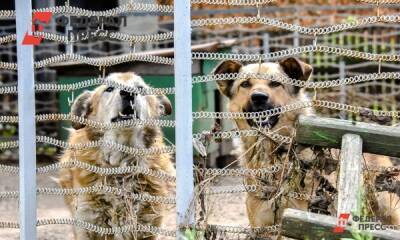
103,171
94,61
240,172
88,83
95,144
244,230
299,83
234,2
92,123
75,11
380,1
102,34
361,22
297,51
126,228
99,189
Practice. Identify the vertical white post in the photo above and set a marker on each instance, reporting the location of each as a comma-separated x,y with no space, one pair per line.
183,113
26,129
350,175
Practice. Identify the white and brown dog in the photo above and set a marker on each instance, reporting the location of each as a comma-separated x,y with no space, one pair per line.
111,105
306,175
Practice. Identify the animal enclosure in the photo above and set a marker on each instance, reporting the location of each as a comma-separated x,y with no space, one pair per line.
353,48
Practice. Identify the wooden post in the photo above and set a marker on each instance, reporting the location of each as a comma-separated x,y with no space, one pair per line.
299,224
350,175
328,132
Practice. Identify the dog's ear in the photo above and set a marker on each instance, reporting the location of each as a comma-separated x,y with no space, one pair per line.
296,69
229,66
165,107
80,108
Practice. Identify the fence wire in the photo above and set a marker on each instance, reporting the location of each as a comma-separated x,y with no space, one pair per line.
103,62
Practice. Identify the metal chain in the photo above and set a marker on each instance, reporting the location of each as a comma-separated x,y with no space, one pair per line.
114,60
361,22
243,133
240,172
299,83
211,115
382,169
231,189
380,1
103,171
75,11
105,34
88,83
297,51
234,2
94,144
126,228
102,189
206,78
94,61
244,230
293,107
92,123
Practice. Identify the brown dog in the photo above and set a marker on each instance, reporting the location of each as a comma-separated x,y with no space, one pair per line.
301,170
111,105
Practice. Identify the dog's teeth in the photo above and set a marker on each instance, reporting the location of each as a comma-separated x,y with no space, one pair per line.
121,114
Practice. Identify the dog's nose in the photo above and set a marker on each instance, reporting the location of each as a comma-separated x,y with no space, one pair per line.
124,93
259,98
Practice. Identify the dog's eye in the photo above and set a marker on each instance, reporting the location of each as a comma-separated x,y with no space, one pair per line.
109,89
274,84
245,84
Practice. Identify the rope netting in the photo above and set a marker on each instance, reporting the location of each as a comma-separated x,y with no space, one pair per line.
201,140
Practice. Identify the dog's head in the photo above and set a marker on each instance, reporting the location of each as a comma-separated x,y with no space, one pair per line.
110,105
256,95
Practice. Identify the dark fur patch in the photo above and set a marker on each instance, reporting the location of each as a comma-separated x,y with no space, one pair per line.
149,136
228,66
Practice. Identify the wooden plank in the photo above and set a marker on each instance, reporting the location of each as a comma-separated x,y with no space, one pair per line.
299,224
350,175
328,132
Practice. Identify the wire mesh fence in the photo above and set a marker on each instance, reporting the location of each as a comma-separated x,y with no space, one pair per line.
356,77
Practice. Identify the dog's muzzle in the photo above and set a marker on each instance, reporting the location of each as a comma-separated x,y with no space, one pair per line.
259,102
128,112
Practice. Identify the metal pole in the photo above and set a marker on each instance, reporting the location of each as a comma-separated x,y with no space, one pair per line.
27,129
183,114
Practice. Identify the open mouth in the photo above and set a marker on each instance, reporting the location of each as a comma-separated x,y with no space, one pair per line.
126,114
265,122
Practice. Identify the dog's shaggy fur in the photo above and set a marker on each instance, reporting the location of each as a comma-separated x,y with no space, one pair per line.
106,105
306,174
